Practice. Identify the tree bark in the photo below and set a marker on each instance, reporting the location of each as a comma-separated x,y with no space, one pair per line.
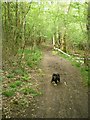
5,15
16,12
64,44
87,47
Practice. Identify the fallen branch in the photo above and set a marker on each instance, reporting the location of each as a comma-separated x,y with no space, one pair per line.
61,51
81,60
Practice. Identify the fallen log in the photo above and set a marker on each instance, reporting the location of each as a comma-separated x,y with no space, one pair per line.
61,51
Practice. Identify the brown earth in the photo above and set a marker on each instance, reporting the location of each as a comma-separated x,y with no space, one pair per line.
69,99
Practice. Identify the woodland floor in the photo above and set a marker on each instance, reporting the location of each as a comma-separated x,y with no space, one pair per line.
69,99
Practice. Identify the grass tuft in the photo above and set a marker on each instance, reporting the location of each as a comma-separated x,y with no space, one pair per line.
30,91
9,93
15,84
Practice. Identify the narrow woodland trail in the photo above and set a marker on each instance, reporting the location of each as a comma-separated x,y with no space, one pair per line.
69,99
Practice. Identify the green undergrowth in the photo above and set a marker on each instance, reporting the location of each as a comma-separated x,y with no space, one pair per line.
30,91
9,92
83,69
19,77
15,84
32,57
26,77
25,91
19,71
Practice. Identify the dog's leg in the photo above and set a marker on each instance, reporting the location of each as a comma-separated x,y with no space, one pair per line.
56,81
58,77
52,78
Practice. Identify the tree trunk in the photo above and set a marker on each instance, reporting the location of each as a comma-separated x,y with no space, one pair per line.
53,40
8,5
16,12
5,16
87,47
64,43
59,40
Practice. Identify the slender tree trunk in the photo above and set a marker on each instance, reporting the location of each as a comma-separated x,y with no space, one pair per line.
5,16
53,41
64,43
59,39
16,12
8,15
87,47
64,36
8,5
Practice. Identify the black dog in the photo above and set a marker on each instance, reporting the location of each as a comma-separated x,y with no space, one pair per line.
55,78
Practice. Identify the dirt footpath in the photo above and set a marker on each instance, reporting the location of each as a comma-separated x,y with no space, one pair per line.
69,99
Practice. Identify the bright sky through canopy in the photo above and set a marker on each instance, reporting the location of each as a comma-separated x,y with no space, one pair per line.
68,1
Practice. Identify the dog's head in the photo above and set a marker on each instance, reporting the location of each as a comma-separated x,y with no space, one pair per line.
56,75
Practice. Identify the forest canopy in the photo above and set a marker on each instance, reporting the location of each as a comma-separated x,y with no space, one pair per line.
33,22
